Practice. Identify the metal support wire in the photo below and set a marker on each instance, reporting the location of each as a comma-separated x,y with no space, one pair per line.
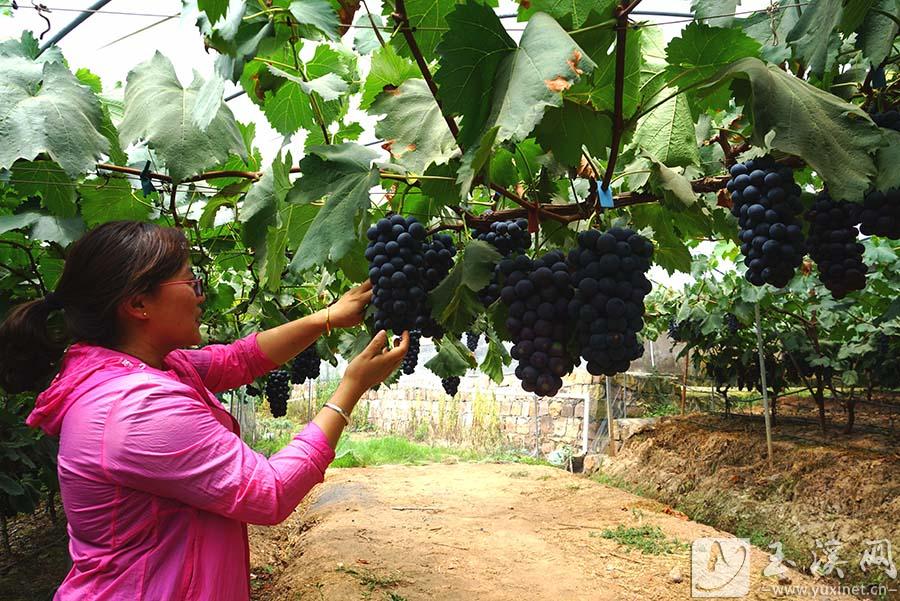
71,26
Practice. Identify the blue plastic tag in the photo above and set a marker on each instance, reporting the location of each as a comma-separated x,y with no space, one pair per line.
606,199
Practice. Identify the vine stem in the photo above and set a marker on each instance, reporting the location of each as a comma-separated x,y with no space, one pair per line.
42,288
618,121
320,117
372,22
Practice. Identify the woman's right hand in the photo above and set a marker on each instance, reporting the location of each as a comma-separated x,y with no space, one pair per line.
376,362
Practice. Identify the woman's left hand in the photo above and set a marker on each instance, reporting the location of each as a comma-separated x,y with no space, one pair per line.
348,311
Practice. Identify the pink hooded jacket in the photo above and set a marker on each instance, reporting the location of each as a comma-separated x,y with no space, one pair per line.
156,482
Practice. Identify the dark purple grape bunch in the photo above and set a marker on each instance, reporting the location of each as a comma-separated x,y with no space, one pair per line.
472,340
306,365
438,253
511,239
833,245
732,323
766,202
278,391
411,359
537,294
253,390
396,262
451,385
608,306
879,214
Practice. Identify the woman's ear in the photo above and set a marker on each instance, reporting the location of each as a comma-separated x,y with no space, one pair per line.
134,307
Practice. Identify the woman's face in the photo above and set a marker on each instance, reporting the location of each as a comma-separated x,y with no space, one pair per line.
174,311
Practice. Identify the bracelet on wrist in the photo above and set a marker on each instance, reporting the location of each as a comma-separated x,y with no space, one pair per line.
339,411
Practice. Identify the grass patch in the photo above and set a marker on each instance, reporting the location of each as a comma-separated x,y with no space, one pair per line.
621,483
392,450
370,579
649,540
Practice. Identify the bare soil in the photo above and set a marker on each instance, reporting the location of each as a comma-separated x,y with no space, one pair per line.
498,532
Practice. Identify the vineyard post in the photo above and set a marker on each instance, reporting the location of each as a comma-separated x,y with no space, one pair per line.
309,396
537,426
652,356
587,423
762,378
684,381
610,418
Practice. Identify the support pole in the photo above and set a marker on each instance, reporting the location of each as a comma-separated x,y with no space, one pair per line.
537,426
687,357
610,419
762,378
309,396
652,356
587,423
71,26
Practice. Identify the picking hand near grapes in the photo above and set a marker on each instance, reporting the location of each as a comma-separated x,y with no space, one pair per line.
154,475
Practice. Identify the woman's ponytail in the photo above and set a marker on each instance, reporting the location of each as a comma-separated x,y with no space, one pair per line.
32,341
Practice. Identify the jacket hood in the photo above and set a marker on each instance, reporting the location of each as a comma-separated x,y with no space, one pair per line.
84,366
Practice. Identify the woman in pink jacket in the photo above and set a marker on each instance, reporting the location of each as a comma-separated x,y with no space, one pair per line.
157,485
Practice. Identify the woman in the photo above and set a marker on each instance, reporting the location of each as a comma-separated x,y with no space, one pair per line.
156,483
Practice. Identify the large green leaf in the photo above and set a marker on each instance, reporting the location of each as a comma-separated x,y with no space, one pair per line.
471,51
495,358
564,130
46,109
388,69
670,252
701,51
454,302
47,180
319,14
343,175
598,87
811,37
62,230
532,77
719,12
878,31
413,127
667,133
570,13
110,200
428,19
673,185
262,203
159,110
214,9
888,159
837,139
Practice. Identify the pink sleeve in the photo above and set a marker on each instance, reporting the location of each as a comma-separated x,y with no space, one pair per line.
227,366
161,439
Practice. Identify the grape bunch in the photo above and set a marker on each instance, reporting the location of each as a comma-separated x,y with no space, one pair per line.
511,239
766,202
412,354
732,323
833,245
472,340
451,385
537,294
438,256
253,390
305,365
395,269
608,305
678,330
278,390
879,214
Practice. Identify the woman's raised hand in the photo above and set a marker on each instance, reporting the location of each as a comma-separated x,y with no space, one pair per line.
376,362
349,309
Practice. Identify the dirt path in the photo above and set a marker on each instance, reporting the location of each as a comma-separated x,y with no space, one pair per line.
474,531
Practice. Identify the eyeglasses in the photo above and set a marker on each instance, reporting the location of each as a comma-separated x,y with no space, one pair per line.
196,284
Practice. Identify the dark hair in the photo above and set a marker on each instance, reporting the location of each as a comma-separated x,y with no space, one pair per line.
106,265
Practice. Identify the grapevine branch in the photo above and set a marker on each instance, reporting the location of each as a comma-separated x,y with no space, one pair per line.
618,121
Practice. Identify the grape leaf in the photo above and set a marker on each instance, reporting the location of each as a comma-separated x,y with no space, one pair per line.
343,175
47,180
452,358
570,13
365,41
564,130
598,87
110,200
454,302
318,14
158,109
811,36
702,50
670,252
329,87
262,203
209,98
837,139
712,10
878,32
667,133
474,160
466,79
44,108
388,69
62,230
888,158
214,9
413,128
673,184
292,223
428,19
495,358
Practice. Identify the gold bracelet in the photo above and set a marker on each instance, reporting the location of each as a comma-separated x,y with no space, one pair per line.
340,411
328,320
